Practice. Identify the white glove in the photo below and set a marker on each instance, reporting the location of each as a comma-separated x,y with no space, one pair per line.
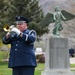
17,31
11,27
8,34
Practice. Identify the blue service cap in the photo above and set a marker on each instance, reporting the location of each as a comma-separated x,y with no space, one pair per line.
21,18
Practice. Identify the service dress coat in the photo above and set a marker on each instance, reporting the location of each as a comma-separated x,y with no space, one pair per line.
22,49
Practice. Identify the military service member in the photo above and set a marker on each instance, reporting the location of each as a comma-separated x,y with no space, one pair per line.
22,58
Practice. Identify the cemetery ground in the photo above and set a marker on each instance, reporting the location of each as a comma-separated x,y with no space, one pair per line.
4,70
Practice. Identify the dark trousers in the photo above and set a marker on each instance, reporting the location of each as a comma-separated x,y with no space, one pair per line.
23,70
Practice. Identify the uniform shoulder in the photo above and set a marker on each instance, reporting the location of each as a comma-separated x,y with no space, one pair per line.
29,31
32,31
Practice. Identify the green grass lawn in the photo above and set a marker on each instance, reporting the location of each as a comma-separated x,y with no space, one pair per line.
4,70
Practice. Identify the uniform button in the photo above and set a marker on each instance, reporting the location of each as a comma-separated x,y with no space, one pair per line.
17,41
15,49
16,44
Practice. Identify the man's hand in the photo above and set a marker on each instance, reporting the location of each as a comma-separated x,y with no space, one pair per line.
8,35
17,31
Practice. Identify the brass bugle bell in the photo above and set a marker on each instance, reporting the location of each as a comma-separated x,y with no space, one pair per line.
6,28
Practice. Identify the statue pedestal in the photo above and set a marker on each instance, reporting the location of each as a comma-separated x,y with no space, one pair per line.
57,57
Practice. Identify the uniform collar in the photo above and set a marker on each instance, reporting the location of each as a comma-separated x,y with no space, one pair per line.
25,30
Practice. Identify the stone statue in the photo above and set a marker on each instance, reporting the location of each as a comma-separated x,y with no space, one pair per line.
56,18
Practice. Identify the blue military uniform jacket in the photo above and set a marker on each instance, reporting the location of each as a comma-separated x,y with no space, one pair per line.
22,49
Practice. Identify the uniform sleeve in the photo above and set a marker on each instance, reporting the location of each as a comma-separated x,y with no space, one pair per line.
30,37
6,41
